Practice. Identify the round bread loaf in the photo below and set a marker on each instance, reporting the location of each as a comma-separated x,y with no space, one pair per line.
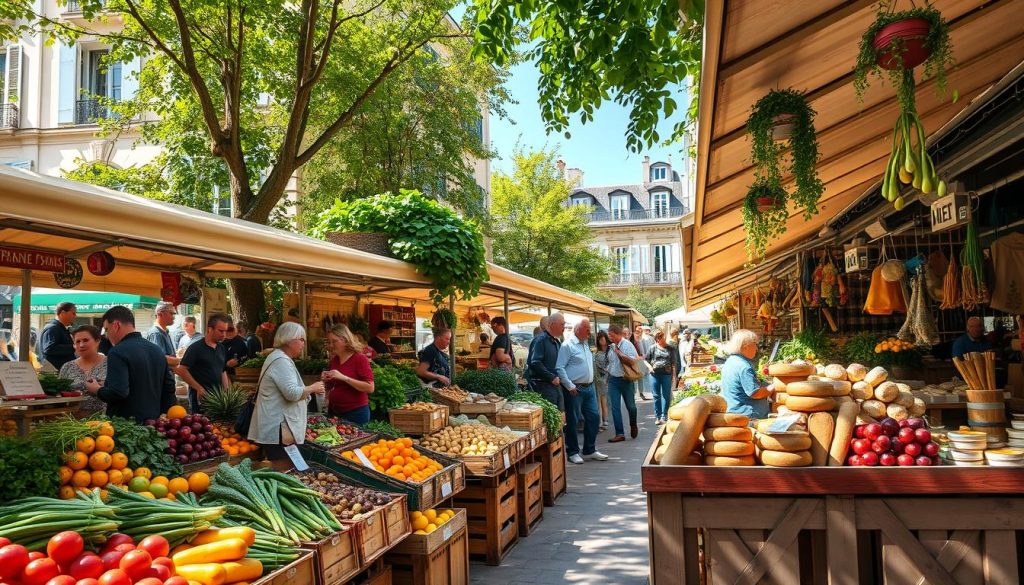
728,434
660,453
725,461
727,419
905,399
784,459
816,378
672,425
856,372
788,443
862,391
815,389
886,392
876,376
782,369
897,411
873,408
841,387
835,372
810,404
729,448
918,408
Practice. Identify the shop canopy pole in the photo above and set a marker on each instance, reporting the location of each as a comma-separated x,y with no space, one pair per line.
303,314
451,342
505,308
24,316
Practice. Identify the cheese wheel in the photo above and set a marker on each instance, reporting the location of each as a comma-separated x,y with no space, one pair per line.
783,459
814,389
897,411
816,378
691,423
862,391
905,399
727,419
873,408
835,372
729,448
672,425
810,404
822,426
856,372
919,407
788,443
716,401
725,461
845,421
886,392
780,384
780,398
876,376
782,369
841,387
728,434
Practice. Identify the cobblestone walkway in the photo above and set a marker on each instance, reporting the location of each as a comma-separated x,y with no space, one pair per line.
597,532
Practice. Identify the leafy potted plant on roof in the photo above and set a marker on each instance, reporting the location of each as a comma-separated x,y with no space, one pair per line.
895,44
784,115
764,215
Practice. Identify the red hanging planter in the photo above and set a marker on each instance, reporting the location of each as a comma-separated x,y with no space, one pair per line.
907,37
766,204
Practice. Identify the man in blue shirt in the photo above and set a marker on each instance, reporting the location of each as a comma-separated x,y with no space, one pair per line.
159,335
575,369
973,340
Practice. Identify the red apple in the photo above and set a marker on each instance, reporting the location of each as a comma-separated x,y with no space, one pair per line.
912,449
897,447
870,459
890,426
887,459
873,431
924,460
915,423
923,436
906,435
858,431
931,449
853,460
904,423
861,446
881,444
905,460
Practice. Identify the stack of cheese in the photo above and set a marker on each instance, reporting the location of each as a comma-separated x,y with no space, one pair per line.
880,398
728,441
788,449
784,374
681,444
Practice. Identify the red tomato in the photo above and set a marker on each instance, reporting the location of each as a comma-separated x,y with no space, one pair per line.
156,546
149,581
176,581
87,565
4,541
116,539
112,559
61,580
13,558
167,563
125,548
115,577
40,571
159,571
34,555
65,546
89,581
136,563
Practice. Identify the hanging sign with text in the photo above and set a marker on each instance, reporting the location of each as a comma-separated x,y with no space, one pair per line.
29,259
950,211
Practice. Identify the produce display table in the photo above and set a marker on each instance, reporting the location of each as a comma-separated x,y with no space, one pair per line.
23,412
551,456
491,515
837,525
438,558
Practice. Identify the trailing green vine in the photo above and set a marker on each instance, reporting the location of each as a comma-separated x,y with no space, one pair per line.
761,225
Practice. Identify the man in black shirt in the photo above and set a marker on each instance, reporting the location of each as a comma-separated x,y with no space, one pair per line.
237,349
139,383
501,350
55,343
381,343
251,341
202,366
434,367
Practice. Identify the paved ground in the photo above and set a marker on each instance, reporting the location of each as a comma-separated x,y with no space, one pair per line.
597,532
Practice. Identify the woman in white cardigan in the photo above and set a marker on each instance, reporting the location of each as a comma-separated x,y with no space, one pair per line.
279,418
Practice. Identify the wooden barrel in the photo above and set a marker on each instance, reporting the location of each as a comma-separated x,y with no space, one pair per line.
985,396
986,412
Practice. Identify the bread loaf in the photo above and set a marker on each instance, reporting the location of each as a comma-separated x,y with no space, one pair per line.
729,448
897,411
845,421
691,423
783,459
835,372
821,426
727,419
809,404
905,399
788,443
726,461
862,391
812,389
716,401
876,376
841,387
672,425
856,372
886,392
873,408
728,434
919,407
795,369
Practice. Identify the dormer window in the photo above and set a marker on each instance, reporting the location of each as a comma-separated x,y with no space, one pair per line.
580,200
660,204
659,173
620,206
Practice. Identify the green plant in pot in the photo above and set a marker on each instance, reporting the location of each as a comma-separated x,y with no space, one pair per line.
895,44
764,215
784,114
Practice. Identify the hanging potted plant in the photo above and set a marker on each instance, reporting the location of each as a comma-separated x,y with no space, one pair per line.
764,215
893,46
785,115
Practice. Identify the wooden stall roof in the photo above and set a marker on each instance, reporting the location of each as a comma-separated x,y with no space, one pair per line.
754,46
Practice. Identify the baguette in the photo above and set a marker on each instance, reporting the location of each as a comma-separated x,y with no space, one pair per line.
845,422
691,423
822,426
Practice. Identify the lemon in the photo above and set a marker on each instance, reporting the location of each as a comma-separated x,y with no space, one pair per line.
158,490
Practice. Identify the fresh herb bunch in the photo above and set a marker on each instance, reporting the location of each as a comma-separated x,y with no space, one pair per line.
27,469
762,226
61,433
144,447
809,344
486,381
860,349
938,43
766,152
406,376
446,248
256,362
381,427
53,385
552,417
388,391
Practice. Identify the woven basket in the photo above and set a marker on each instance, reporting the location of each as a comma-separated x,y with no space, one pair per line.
371,242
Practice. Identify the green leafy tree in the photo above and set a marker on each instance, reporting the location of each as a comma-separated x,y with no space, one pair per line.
649,304
536,233
635,52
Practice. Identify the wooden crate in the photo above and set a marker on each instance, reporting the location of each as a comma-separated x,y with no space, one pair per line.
396,519
474,409
301,571
336,559
380,574
520,421
419,422
25,412
489,465
424,544
529,497
369,536
551,456
491,516
445,564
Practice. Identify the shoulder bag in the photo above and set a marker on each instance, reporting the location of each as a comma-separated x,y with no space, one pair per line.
632,371
244,418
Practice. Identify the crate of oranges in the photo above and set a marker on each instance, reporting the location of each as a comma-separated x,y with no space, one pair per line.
432,528
394,465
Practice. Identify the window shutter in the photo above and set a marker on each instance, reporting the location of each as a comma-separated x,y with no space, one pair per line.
66,84
130,78
12,80
675,257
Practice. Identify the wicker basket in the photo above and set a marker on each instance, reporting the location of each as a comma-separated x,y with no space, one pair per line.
372,242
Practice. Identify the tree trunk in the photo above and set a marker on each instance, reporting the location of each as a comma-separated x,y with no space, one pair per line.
247,300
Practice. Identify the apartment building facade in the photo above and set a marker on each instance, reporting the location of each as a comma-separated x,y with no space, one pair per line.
50,106
637,226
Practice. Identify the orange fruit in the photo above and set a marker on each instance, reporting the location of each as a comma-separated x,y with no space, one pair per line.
99,478
142,472
104,494
126,474
86,445
65,474
100,461
147,495
76,460
198,482
160,480
118,460
114,477
104,443
66,492
178,485
81,478
176,412
106,429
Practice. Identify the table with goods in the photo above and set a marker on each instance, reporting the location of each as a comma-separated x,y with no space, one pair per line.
845,481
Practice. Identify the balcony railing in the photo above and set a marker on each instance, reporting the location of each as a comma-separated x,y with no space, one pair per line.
76,5
646,278
90,110
9,117
637,214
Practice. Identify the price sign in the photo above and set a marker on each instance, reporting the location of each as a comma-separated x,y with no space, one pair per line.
29,259
447,533
784,422
18,379
949,212
446,489
504,457
363,459
297,460
856,259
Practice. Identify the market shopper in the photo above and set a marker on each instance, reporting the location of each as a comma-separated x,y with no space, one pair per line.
619,388
160,335
237,349
381,342
973,340
55,344
685,351
743,392
189,334
203,365
349,379
664,363
501,356
279,417
139,383
601,369
89,365
575,368
434,367
252,343
543,359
